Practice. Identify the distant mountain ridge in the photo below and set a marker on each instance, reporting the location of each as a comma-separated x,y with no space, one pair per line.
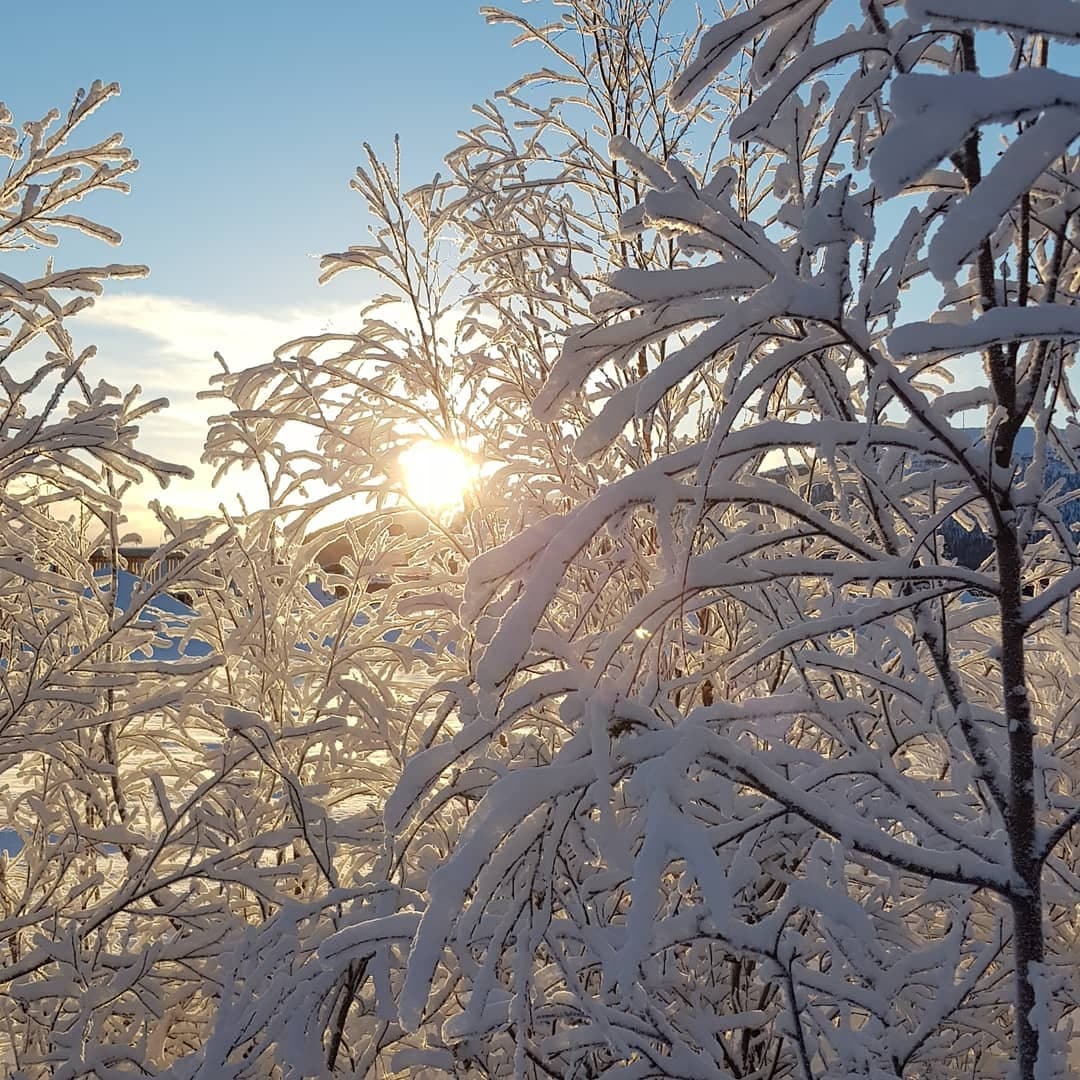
970,547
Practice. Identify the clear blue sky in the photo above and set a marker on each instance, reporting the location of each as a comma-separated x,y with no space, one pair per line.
248,119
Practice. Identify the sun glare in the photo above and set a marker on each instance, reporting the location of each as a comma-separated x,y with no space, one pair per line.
436,475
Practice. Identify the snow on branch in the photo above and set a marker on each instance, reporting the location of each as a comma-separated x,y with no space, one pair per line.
996,327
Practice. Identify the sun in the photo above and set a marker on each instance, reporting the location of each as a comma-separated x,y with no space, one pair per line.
436,475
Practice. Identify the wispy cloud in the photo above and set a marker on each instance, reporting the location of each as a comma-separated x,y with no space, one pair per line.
166,344
183,330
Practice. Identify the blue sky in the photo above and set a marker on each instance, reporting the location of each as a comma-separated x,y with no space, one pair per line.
248,119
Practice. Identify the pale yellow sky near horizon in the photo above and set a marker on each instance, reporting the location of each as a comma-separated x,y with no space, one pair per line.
166,345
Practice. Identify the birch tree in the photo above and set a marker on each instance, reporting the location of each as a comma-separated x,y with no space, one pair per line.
871,795
480,274
108,916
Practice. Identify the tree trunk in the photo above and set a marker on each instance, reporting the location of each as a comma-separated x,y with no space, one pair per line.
1026,905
